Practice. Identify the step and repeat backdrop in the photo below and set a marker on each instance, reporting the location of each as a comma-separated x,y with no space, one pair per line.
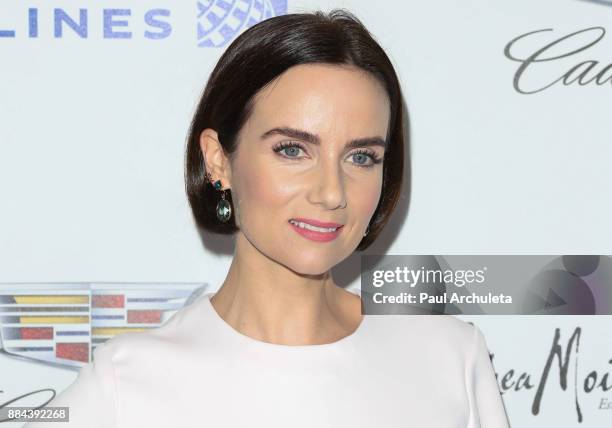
509,110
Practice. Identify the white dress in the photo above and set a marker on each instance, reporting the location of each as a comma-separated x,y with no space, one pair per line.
425,371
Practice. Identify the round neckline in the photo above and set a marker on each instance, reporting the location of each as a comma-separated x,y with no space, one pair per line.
231,331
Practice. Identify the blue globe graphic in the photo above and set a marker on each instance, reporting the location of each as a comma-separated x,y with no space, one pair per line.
219,21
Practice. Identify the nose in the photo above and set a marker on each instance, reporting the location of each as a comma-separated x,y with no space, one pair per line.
328,187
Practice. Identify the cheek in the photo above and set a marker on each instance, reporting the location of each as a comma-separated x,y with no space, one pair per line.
365,197
263,192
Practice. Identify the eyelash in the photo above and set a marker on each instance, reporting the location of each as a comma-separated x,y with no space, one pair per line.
376,159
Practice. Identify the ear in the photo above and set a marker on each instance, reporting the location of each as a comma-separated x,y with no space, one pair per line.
215,160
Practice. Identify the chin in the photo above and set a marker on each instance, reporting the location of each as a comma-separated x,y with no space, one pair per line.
307,266
312,264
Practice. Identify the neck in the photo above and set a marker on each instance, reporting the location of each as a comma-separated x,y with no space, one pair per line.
271,303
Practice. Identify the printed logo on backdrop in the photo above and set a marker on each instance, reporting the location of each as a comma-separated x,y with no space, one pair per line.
217,22
547,58
61,324
533,60
561,370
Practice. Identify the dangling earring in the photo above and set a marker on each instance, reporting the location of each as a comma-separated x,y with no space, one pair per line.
367,231
224,208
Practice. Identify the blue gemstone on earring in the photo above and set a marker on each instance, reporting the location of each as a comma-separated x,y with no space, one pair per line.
217,184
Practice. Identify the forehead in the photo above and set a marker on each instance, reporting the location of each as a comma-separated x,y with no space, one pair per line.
324,98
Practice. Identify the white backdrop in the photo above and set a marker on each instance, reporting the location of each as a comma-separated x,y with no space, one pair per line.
92,133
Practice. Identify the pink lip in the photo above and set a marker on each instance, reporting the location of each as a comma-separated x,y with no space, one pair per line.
316,222
317,236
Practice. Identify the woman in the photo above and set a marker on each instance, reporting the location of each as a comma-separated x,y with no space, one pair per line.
296,148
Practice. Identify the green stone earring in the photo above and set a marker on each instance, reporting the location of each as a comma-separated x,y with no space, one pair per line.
224,209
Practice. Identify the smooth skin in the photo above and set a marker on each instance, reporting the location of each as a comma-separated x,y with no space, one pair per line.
279,287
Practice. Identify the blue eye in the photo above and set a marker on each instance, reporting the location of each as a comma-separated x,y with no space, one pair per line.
292,149
367,154
289,148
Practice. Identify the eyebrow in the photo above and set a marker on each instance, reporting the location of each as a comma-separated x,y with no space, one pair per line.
316,140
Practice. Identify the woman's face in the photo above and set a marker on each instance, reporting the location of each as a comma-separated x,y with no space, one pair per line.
278,175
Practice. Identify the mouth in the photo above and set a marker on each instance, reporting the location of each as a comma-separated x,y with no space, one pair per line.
316,230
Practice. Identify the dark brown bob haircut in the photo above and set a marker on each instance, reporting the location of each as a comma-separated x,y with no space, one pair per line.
258,56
